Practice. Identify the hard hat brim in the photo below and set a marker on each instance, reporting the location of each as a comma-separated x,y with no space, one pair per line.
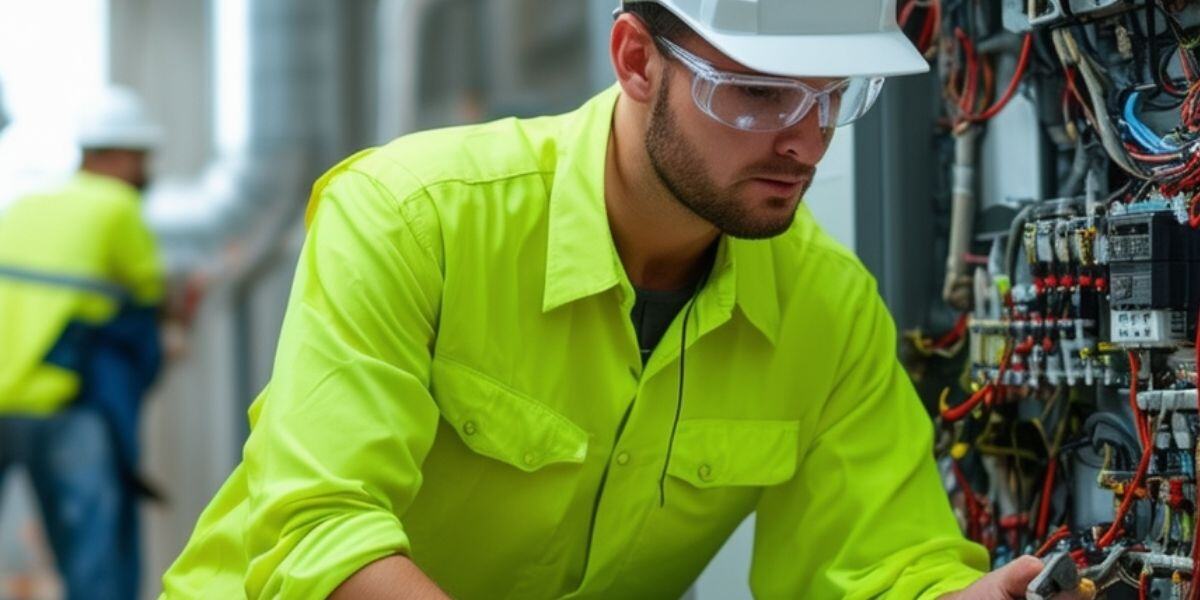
884,53
141,138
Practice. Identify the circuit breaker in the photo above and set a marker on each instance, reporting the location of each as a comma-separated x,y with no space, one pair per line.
1069,428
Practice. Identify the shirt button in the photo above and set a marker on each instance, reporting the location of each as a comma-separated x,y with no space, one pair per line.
623,458
469,428
530,458
705,472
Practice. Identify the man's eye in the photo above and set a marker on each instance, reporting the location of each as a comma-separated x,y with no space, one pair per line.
760,92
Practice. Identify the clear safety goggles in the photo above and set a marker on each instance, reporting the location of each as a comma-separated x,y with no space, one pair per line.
762,103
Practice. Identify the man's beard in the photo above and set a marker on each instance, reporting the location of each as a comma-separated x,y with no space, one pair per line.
674,160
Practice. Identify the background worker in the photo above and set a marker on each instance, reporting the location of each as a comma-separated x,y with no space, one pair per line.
80,281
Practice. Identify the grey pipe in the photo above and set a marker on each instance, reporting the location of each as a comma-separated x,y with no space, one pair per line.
956,290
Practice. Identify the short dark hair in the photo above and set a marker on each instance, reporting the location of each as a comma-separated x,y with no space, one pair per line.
659,20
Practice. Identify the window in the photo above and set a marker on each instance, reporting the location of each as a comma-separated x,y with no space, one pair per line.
50,50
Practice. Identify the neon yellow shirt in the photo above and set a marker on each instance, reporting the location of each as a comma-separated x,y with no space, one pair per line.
458,380
68,254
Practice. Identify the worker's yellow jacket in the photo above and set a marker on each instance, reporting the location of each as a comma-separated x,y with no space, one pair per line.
458,380
71,257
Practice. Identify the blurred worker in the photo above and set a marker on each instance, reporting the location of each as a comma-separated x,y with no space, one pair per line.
79,283
3,112
461,402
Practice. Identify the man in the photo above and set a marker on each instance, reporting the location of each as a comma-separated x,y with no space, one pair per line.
461,405
3,112
79,278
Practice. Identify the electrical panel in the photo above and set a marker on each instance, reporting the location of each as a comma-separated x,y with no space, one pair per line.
1069,427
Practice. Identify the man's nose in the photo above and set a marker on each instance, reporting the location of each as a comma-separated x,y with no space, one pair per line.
806,141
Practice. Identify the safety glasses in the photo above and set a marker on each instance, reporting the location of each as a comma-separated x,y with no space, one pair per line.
761,103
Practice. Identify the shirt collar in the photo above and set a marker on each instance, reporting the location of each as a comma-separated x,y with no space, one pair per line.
582,260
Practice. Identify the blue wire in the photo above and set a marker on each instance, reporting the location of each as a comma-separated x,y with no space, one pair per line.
1141,133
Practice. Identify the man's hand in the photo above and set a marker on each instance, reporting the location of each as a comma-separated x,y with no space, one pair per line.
1009,583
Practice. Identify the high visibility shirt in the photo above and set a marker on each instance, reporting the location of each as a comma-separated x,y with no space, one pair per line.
75,255
458,381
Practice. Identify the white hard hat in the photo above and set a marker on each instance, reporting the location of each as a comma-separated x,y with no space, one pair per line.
804,38
116,118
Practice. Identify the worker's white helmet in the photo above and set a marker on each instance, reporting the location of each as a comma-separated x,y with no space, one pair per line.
115,118
804,38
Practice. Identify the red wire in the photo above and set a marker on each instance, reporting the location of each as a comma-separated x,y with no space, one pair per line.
1130,493
1059,535
955,333
1143,430
970,85
1147,451
1135,152
906,12
1143,585
1005,359
1171,89
1047,490
1194,223
1018,74
991,390
933,16
955,413
1074,89
973,508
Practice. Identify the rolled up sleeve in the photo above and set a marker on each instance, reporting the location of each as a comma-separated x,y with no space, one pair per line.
865,515
340,433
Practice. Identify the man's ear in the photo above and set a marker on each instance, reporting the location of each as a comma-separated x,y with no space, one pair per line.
635,58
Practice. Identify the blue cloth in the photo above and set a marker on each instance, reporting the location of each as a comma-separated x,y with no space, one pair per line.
83,460
118,366
89,513
117,362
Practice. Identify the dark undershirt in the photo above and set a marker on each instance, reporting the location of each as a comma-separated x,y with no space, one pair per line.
652,314
653,310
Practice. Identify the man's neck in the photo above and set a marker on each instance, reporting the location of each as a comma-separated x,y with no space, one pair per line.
662,244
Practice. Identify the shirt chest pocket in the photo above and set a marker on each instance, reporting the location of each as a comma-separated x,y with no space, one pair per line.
711,453
500,423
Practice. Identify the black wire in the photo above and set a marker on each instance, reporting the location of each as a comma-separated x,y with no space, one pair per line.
1145,189
1121,191
1177,31
1136,28
1162,73
662,479
1151,39
1045,58
1172,22
1172,102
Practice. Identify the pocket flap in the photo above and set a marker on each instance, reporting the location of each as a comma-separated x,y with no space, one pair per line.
500,423
725,452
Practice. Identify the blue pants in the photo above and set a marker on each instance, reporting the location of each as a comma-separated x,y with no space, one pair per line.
89,512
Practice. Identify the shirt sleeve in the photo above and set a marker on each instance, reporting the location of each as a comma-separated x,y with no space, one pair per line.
341,432
136,265
866,515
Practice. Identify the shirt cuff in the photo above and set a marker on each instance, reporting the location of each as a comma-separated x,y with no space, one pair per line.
338,548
